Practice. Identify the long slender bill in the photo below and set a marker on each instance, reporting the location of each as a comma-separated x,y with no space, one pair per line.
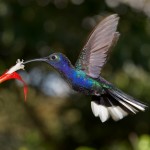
44,59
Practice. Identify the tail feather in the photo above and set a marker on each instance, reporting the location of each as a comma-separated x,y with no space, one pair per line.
100,110
116,104
116,112
127,99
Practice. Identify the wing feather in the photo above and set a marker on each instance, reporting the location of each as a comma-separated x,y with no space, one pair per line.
94,54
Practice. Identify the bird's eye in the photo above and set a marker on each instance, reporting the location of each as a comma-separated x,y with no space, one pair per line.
53,57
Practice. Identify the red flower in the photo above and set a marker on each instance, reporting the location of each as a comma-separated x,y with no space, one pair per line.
11,74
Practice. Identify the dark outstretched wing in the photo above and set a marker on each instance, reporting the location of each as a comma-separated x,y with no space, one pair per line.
94,53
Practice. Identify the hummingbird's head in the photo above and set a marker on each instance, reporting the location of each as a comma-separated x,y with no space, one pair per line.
56,60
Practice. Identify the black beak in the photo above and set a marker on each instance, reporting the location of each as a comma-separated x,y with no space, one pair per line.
45,59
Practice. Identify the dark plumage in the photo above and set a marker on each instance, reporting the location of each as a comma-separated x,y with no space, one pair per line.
85,77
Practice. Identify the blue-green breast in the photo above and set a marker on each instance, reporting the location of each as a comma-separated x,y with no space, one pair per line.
83,83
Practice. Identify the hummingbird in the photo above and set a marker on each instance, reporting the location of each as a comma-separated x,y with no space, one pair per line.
84,77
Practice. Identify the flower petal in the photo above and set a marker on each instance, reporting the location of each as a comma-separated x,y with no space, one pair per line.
14,75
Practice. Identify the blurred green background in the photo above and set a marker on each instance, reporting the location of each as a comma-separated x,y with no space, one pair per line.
54,117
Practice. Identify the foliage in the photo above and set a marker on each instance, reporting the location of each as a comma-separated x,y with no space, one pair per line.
36,28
